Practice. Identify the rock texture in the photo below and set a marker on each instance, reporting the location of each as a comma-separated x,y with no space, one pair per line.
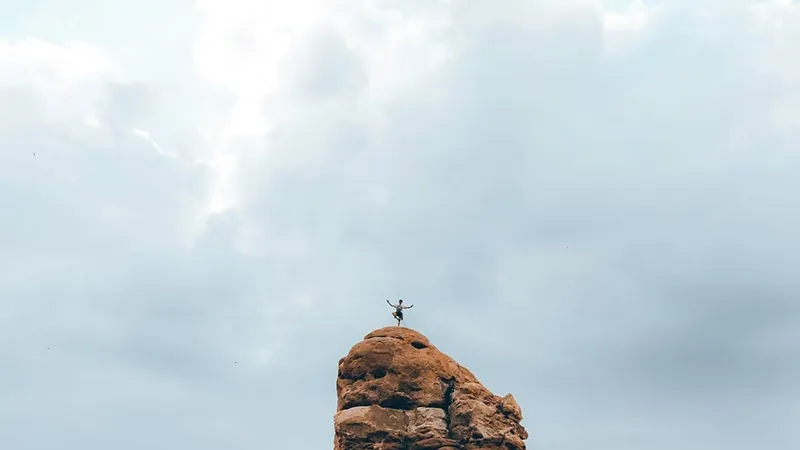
398,392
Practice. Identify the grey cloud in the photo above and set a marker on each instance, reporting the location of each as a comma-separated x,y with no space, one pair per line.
530,148
611,241
327,67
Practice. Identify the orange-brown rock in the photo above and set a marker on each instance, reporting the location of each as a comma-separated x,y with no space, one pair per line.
398,391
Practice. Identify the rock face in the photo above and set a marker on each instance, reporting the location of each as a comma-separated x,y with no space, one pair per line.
398,392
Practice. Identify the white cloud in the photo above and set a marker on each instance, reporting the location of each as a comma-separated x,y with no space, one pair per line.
633,18
259,54
52,67
43,81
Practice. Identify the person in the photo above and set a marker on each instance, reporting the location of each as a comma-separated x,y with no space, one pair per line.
398,310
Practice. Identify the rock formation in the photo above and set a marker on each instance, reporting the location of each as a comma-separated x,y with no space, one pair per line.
398,392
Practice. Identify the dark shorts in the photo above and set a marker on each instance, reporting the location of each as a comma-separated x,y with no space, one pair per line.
399,314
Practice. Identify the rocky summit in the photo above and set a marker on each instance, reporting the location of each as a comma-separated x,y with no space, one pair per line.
398,392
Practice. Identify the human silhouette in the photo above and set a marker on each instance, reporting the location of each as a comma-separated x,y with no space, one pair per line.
398,310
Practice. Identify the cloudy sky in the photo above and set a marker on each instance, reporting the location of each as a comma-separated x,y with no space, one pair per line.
593,204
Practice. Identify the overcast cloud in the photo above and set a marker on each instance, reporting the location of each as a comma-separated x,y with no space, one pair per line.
593,205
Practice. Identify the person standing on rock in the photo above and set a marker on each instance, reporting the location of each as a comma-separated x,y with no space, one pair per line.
398,310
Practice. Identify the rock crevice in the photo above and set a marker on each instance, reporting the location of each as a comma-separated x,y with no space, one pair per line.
396,391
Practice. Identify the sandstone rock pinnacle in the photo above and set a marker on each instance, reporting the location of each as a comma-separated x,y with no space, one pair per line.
398,392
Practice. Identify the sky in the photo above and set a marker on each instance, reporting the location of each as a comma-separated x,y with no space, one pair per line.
592,205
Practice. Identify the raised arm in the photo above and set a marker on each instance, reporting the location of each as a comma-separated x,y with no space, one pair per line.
390,304
408,307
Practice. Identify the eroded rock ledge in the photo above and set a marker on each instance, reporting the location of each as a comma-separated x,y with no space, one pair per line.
397,391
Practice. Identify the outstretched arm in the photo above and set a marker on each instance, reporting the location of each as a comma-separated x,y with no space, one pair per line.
408,307
390,304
